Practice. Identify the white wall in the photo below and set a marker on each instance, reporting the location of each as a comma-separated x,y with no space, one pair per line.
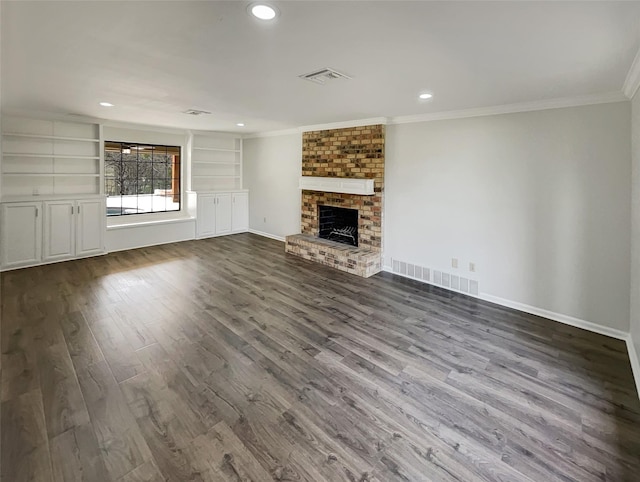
635,235
147,233
119,238
272,167
540,201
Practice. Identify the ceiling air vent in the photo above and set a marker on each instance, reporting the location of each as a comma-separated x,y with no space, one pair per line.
196,112
323,75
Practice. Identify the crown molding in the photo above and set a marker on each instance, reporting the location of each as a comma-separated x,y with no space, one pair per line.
320,127
341,125
83,119
632,82
560,103
282,132
144,127
52,116
606,98
631,85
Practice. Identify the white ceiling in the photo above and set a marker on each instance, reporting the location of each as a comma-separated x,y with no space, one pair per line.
154,60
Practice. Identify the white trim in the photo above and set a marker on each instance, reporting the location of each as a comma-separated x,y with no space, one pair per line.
345,185
155,222
341,125
632,81
566,319
144,127
52,116
53,261
320,127
267,235
635,361
558,103
150,245
607,98
551,315
282,132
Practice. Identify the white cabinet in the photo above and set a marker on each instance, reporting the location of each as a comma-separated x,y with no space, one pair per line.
240,212
59,230
21,234
90,227
219,213
52,230
223,213
206,216
73,228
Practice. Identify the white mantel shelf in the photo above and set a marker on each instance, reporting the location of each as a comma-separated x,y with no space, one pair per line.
337,184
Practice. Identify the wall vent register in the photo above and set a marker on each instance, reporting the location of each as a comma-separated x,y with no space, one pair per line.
322,76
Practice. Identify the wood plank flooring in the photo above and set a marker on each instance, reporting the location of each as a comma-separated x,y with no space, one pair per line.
227,360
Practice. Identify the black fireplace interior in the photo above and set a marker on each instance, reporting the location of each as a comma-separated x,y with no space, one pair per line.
338,224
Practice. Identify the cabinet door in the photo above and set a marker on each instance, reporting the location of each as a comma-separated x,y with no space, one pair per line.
21,234
59,230
90,227
240,211
223,213
206,215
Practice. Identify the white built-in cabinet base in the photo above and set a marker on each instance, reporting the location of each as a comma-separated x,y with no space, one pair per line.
219,213
40,232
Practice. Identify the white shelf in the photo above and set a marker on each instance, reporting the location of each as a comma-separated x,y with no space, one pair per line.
215,149
216,163
55,159
55,138
50,174
48,197
49,156
338,184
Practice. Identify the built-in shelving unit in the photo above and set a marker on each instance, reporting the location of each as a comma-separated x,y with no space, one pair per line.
42,158
216,163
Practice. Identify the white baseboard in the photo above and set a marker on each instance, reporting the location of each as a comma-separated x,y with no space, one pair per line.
567,320
635,361
267,235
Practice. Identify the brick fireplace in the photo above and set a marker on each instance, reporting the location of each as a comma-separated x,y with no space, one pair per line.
352,153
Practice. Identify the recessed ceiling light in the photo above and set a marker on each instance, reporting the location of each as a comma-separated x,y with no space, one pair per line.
106,104
263,11
240,124
426,96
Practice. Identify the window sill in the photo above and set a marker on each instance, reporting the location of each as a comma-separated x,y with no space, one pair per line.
130,223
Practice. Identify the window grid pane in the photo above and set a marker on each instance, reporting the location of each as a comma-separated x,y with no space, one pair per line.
141,178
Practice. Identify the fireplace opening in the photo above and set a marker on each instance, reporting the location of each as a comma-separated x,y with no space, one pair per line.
338,224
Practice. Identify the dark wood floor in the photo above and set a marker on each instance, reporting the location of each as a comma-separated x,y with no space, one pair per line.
225,359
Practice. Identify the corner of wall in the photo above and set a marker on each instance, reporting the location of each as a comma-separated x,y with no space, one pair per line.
635,361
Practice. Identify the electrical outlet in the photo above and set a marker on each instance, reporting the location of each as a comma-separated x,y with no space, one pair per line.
454,262
264,220
472,267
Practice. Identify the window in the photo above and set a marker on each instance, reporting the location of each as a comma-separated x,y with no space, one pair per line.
141,178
